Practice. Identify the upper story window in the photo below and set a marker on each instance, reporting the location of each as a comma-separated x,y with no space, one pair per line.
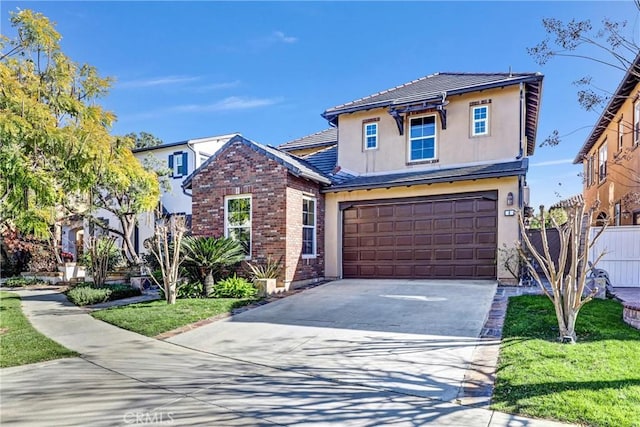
178,164
422,138
237,220
308,227
620,134
602,162
480,120
370,136
589,171
636,123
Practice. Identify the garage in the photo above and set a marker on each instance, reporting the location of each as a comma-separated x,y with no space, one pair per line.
440,237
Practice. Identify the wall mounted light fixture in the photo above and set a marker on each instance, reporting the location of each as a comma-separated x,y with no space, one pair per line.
510,199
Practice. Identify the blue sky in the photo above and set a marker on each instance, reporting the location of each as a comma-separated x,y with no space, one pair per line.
269,69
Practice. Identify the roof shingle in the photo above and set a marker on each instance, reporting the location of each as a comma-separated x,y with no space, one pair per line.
323,138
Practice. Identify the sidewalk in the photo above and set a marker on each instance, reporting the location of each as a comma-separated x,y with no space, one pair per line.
125,378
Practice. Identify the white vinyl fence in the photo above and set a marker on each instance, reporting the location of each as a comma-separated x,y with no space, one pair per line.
622,254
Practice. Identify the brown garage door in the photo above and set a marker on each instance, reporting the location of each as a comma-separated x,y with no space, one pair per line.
445,237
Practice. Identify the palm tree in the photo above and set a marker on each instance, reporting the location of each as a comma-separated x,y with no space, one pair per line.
209,255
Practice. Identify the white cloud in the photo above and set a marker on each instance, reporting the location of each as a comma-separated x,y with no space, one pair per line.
219,86
232,103
158,81
553,162
279,36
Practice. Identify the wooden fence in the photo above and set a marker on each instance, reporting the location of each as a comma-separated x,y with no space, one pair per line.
621,246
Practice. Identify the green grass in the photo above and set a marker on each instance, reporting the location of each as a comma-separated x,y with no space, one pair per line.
155,317
595,382
20,343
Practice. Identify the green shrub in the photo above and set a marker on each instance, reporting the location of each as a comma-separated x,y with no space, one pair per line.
18,282
234,287
86,295
120,291
186,290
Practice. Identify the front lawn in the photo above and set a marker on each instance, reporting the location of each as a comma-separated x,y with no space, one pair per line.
155,317
20,343
595,382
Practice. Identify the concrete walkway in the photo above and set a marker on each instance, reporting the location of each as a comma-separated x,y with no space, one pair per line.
123,378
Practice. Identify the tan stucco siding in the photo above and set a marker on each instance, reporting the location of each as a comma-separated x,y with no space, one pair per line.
623,165
507,225
454,145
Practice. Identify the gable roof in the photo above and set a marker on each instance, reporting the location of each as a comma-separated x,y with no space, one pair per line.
630,80
324,160
436,87
493,170
323,138
294,165
185,142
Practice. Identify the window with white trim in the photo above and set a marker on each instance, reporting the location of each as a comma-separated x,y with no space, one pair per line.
480,120
617,213
422,138
237,220
620,134
178,164
602,162
308,227
370,136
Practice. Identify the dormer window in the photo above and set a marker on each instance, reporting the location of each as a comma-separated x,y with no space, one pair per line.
370,131
422,138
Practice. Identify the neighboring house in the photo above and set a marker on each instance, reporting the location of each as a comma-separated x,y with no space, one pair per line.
611,157
181,158
419,181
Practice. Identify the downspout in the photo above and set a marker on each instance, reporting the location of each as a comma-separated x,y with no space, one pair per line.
184,190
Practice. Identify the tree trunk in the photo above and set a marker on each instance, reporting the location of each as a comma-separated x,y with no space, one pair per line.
171,293
208,284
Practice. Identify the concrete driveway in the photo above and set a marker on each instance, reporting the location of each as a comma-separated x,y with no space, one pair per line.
412,337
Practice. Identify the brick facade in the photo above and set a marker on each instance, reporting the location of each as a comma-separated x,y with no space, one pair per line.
276,207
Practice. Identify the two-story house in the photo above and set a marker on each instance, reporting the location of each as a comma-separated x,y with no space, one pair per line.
419,181
611,157
181,158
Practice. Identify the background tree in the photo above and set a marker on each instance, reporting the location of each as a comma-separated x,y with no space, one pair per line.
165,246
144,140
557,215
126,189
52,130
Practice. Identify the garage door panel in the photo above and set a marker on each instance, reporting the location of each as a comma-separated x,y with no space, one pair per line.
482,253
403,270
445,237
486,222
404,226
367,241
385,227
403,211
368,227
465,206
350,229
404,241
486,238
443,224
464,270
386,241
385,211
464,254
